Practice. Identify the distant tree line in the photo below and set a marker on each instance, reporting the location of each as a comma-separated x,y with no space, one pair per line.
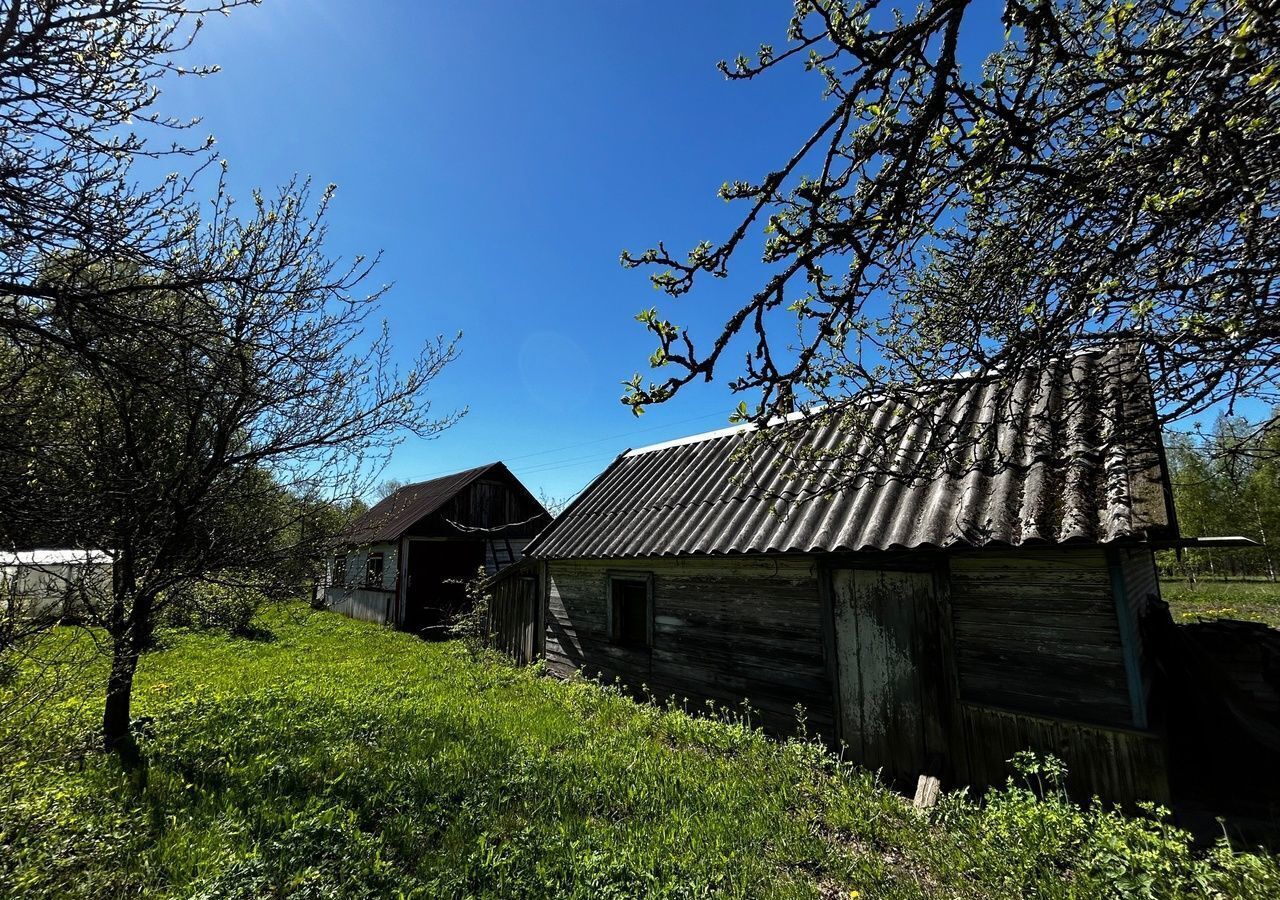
1226,481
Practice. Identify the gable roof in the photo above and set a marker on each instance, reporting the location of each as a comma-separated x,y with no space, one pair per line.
1069,453
398,511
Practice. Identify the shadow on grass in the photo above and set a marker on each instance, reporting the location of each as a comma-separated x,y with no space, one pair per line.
255,632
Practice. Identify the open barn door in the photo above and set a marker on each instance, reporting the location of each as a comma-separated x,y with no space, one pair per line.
889,672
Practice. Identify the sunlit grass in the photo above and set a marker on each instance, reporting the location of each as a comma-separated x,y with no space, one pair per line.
1252,600
345,760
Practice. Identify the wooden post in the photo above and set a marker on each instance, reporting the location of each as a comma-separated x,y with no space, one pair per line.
927,790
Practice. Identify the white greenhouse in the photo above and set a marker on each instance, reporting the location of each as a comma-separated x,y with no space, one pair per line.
52,583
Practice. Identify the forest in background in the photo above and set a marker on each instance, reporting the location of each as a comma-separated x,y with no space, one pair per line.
1226,481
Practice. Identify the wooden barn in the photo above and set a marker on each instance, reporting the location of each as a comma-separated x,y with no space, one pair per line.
404,561
935,624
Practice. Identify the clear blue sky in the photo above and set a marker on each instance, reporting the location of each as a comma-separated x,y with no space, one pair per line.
501,155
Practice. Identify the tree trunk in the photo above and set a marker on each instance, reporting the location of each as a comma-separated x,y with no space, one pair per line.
117,735
130,628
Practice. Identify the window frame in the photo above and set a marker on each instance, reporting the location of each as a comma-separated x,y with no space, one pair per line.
612,577
369,559
339,569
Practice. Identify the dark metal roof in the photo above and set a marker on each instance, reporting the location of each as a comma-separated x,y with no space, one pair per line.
398,511
1069,453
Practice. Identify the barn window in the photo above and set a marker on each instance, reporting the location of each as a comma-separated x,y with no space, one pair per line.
373,570
340,569
630,610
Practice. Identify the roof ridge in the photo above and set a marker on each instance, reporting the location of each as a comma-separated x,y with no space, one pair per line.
474,469
413,501
724,432
867,399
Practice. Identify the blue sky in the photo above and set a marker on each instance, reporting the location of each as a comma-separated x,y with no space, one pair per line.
501,155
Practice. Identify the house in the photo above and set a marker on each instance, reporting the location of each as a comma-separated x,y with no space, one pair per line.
405,561
983,595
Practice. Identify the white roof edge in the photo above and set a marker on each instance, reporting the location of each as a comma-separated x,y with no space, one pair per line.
50,557
1087,349
722,432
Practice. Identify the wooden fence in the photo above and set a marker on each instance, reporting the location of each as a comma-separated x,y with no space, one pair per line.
1120,764
513,611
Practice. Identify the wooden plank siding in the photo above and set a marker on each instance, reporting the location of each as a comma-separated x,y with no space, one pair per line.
723,630
486,503
1037,631
513,614
1142,583
366,604
1025,647
1117,764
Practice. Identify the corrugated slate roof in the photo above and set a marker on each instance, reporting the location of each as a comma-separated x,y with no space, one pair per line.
1067,453
394,514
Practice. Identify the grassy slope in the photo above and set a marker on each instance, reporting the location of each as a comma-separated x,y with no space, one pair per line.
1255,600
346,760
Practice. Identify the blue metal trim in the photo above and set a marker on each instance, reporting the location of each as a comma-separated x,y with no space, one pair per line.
1128,639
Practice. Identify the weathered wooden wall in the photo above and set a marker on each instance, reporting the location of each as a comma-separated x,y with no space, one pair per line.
1046,648
723,629
355,569
1141,586
1120,765
1141,581
487,503
513,613
370,605
1037,631
353,597
1033,656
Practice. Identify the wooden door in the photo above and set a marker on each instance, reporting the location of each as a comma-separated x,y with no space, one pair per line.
889,672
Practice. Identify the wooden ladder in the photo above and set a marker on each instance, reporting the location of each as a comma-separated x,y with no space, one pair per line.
501,552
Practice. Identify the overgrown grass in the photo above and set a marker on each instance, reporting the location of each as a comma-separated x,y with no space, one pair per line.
1254,600
345,760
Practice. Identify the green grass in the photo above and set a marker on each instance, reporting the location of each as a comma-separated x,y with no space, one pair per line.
1254,600
346,760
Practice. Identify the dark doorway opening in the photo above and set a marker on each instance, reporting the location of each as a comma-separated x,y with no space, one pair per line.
435,590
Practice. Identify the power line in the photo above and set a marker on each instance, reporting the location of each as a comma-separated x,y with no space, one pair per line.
615,437
561,463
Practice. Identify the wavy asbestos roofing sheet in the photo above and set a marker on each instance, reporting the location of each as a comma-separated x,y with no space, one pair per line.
1069,453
